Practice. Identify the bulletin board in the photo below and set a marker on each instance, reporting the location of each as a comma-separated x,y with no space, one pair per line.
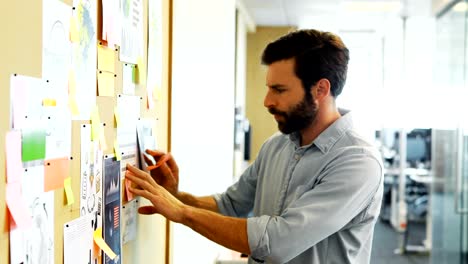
21,52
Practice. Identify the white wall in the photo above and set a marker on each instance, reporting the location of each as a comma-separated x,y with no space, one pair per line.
202,110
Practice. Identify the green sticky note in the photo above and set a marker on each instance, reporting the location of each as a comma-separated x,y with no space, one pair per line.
34,144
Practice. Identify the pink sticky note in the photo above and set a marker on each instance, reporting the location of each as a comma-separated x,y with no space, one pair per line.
18,97
17,205
55,172
14,166
129,193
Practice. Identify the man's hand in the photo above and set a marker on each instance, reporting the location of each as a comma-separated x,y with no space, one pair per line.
165,172
163,202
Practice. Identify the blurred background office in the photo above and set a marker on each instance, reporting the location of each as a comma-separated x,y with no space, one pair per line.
407,85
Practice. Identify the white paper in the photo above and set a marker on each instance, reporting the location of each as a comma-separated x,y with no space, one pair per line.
128,86
146,140
91,175
56,54
36,244
129,220
78,240
58,133
111,22
27,94
129,109
85,57
132,31
91,179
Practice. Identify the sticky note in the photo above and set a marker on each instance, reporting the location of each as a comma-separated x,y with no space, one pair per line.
118,155
95,124
106,84
74,36
55,172
17,205
129,193
68,191
34,143
157,94
49,102
102,141
135,74
14,166
73,106
106,59
117,116
102,244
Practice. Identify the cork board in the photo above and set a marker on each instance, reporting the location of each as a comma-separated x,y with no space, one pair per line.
21,53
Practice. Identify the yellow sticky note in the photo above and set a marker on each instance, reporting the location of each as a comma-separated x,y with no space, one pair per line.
74,36
140,62
106,84
102,140
117,116
68,191
73,106
106,59
49,102
157,94
102,244
95,124
118,155
135,74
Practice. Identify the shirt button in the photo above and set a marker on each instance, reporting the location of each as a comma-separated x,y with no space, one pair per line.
297,156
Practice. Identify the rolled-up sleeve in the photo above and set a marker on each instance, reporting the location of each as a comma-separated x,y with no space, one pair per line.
346,188
238,199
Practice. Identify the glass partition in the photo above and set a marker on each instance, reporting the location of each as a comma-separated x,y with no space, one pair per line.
450,142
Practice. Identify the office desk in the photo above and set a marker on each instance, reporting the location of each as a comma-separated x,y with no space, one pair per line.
392,179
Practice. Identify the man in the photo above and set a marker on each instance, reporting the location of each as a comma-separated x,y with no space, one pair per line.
314,192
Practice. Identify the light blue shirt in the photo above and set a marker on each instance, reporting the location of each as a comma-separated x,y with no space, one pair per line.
311,204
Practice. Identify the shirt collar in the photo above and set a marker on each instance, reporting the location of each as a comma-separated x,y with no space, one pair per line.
331,134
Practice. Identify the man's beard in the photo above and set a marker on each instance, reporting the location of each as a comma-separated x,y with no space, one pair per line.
298,117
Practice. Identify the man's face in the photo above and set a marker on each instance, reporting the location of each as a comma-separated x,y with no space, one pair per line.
286,100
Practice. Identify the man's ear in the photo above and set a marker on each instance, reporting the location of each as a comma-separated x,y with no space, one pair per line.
321,89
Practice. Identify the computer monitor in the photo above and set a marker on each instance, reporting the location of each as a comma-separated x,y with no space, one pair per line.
418,147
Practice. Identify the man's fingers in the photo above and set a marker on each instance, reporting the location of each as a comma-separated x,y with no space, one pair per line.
145,182
148,161
171,162
140,192
147,210
137,172
155,153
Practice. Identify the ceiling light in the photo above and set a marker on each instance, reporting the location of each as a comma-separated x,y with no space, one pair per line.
460,7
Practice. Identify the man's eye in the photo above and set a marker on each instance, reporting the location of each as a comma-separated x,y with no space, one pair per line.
279,90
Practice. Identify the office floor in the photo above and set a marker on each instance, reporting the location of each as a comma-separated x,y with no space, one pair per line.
386,241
